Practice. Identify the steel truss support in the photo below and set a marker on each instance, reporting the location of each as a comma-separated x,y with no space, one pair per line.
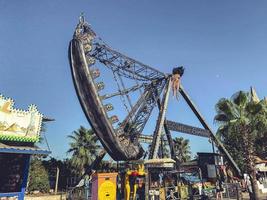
160,122
122,92
124,65
135,121
168,134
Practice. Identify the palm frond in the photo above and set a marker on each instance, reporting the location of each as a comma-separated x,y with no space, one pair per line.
225,106
240,98
84,147
221,118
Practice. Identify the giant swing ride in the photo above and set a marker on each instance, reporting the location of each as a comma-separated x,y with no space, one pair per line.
140,88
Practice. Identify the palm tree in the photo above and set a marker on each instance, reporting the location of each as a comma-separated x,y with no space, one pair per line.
83,147
242,119
182,149
164,150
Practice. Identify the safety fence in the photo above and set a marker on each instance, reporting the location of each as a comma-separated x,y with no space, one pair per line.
232,191
78,193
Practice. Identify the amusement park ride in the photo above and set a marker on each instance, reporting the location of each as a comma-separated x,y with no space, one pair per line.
139,88
121,139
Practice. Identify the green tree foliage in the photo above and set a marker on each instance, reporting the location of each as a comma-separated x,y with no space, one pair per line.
164,150
38,177
242,121
83,149
238,113
182,149
65,172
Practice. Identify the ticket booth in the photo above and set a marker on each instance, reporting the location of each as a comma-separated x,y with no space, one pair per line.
156,169
14,169
104,186
19,131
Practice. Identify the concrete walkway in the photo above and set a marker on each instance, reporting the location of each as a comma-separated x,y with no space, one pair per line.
46,197
245,196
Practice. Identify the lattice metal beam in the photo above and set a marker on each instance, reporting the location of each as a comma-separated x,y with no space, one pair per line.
85,49
134,123
124,65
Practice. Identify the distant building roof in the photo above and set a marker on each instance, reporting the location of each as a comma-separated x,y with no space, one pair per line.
6,148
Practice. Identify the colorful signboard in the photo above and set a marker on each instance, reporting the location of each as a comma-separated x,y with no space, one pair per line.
19,125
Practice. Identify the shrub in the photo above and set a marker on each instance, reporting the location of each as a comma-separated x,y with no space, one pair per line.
38,177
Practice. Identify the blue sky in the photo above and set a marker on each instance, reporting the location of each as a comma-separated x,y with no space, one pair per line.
222,45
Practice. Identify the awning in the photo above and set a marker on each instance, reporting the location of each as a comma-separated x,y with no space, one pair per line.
4,148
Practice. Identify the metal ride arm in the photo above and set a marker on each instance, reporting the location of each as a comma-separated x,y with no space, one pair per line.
95,164
160,122
168,134
211,135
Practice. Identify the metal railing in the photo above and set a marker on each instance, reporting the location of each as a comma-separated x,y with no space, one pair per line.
232,191
79,193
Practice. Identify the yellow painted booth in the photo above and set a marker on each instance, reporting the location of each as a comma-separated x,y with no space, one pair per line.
104,186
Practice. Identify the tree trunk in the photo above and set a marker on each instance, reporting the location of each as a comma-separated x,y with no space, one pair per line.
252,175
254,185
250,164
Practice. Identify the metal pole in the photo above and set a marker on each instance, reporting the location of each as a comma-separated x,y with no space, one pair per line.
216,169
161,146
25,176
56,186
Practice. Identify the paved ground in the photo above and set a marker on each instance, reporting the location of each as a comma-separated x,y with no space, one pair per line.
245,196
46,197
